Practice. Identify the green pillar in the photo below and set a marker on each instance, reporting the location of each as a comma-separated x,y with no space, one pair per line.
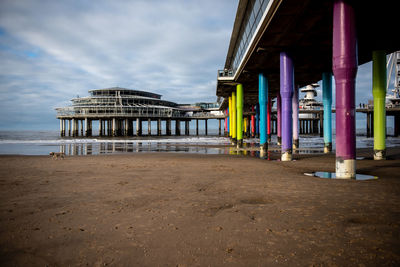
379,93
234,117
239,112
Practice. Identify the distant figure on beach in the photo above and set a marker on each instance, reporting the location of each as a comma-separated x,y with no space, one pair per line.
57,155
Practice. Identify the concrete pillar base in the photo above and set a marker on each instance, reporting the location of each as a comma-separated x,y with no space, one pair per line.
379,154
296,144
263,150
345,169
286,156
328,147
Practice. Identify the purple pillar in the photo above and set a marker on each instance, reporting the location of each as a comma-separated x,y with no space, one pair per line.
279,118
286,80
295,107
345,70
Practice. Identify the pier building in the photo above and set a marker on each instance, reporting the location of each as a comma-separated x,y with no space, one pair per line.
121,112
279,46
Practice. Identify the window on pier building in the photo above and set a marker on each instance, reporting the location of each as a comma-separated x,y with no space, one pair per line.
254,11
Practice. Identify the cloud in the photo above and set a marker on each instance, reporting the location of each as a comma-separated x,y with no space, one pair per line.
52,51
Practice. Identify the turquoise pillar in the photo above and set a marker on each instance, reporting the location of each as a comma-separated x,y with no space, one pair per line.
263,100
327,101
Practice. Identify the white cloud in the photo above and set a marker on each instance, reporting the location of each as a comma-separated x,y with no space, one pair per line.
53,50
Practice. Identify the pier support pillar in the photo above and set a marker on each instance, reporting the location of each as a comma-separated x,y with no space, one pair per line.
114,127
344,60
253,123
263,100
379,94
219,127
257,118
234,119
159,130
100,127
187,129
230,117
138,127
206,126
73,127
168,126
327,102
269,110
61,127
279,119
81,121
295,117
197,127
397,125
86,127
149,127
177,127
286,88
126,126
226,123
239,115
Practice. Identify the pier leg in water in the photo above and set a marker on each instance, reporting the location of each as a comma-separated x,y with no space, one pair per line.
379,94
159,131
114,127
234,119
206,126
286,81
327,101
177,127
197,127
295,116
253,123
138,127
345,70
168,126
263,99
149,126
269,110
239,116
219,127
279,118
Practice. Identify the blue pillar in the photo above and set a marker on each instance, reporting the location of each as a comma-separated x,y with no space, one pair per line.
327,101
263,100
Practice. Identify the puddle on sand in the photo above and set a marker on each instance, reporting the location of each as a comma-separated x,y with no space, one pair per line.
332,175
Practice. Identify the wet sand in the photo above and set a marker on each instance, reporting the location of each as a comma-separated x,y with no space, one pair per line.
169,209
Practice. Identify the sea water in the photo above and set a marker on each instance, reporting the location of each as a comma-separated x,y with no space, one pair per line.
44,142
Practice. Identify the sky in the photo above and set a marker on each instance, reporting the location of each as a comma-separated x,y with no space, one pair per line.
52,51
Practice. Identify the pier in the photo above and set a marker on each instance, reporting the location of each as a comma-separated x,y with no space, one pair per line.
277,47
122,112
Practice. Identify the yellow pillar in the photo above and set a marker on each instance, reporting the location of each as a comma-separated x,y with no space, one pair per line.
234,115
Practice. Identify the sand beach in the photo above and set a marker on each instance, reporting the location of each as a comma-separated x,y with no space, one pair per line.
171,209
